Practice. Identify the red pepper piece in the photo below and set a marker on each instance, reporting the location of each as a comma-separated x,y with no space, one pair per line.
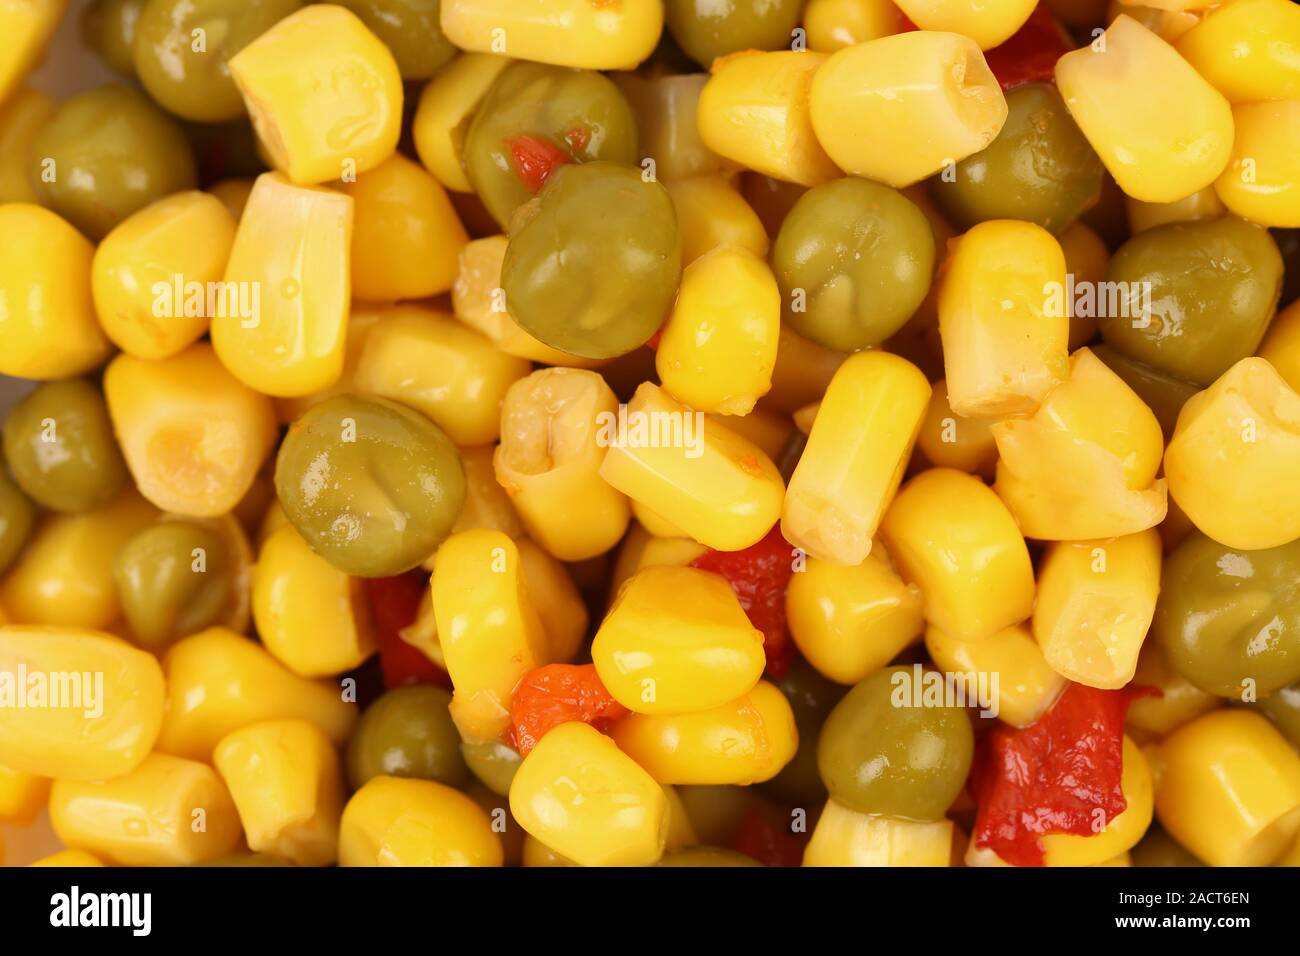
556,694
770,843
394,603
759,576
534,159
1030,54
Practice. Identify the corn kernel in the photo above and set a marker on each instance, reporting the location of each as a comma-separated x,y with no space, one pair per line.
1162,131
233,193
802,373
22,796
360,324
755,111
324,94
1228,789
1281,346
29,24
1167,19
559,604
285,780
767,429
1179,702
554,426
21,116
575,33
667,115
1262,183
166,812
1027,684
538,854
584,799
487,505
747,740
988,24
711,213
844,837
447,104
69,858
835,24
1248,50
1122,832
947,440
641,549
952,537
1202,204
1086,258
900,108
193,436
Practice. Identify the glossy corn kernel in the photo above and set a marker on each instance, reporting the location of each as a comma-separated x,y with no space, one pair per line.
834,24
21,115
558,602
845,837
1169,20
1003,319
538,854
362,320
694,473
666,106
1162,131
860,444
712,213
218,682
1248,50
579,795
1235,445
1228,789
1262,182
576,33
900,108
1202,204
47,319
69,858
1121,833
151,274
744,741
29,24
948,440
193,436
802,373
427,360
487,504
1027,685
1281,346
289,274
324,94
406,237
233,193
1094,607
851,620
446,106
988,24
641,549
312,617
64,577
675,641
488,629
951,536
285,779
718,348
166,812
755,110
1084,465
555,428
393,821
1152,717
22,795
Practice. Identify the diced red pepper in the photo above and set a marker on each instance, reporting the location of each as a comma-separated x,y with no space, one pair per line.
761,837
534,159
394,603
557,694
759,575
1052,776
1030,54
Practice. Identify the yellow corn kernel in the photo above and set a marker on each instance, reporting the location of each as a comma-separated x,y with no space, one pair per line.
273,520
69,858
289,273
362,321
559,604
448,102
712,213
584,799
835,24
22,795
538,854
1179,700
193,436
166,812
1027,685
947,440
487,505
900,108
1084,465
681,832
851,620
285,779
1235,445
1094,606
667,115
324,94
1161,130
1262,183
844,837
676,640
1167,19
576,33
755,110
641,549
719,344
151,274
427,360
1121,833
1086,258
555,426
233,194
744,741
1003,319
860,444
1281,346
422,633
952,537
311,616
1228,788
29,24
802,373
488,629
1202,204
988,24
48,327
406,237
1248,50
218,682
64,577
767,429
21,116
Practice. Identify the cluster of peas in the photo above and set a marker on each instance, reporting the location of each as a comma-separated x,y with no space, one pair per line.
327,307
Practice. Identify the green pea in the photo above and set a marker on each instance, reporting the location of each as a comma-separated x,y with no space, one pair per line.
854,260
1163,394
17,519
407,733
707,29
904,761
1283,708
707,856
593,262
410,29
811,698
1213,287
108,28
493,763
371,485
173,579
61,449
